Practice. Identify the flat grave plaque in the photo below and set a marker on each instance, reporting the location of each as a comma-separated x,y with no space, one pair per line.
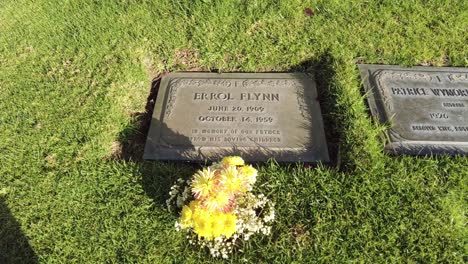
205,116
427,107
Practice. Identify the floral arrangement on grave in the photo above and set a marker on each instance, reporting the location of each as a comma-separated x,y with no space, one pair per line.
218,207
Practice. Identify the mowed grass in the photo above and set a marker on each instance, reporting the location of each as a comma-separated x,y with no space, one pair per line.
75,77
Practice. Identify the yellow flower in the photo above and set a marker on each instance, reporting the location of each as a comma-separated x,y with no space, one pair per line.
232,161
202,224
203,183
229,225
218,224
231,181
186,218
203,229
223,224
211,225
219,201
249,173
197,210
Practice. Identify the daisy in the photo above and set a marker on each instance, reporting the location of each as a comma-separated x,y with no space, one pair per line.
218,202
203,183
232,181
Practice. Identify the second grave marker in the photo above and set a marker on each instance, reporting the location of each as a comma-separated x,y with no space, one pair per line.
427,107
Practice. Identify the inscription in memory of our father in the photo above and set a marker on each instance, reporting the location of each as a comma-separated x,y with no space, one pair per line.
427,107
205,116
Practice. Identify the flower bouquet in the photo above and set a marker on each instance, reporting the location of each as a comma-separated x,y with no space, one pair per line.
218,207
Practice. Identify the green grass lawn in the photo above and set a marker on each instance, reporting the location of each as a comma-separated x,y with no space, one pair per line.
75,77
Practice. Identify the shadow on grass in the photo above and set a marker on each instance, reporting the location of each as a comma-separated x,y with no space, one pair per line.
158,177
132,138
322,70
14,246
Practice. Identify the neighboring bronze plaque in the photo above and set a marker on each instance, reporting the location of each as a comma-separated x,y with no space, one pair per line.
427,107
205,116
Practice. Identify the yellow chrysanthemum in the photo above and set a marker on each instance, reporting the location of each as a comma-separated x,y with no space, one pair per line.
249,173
219,201
197,210
186,218
229,225
232,161
203,229
202,224
231,181
203,183
218,224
